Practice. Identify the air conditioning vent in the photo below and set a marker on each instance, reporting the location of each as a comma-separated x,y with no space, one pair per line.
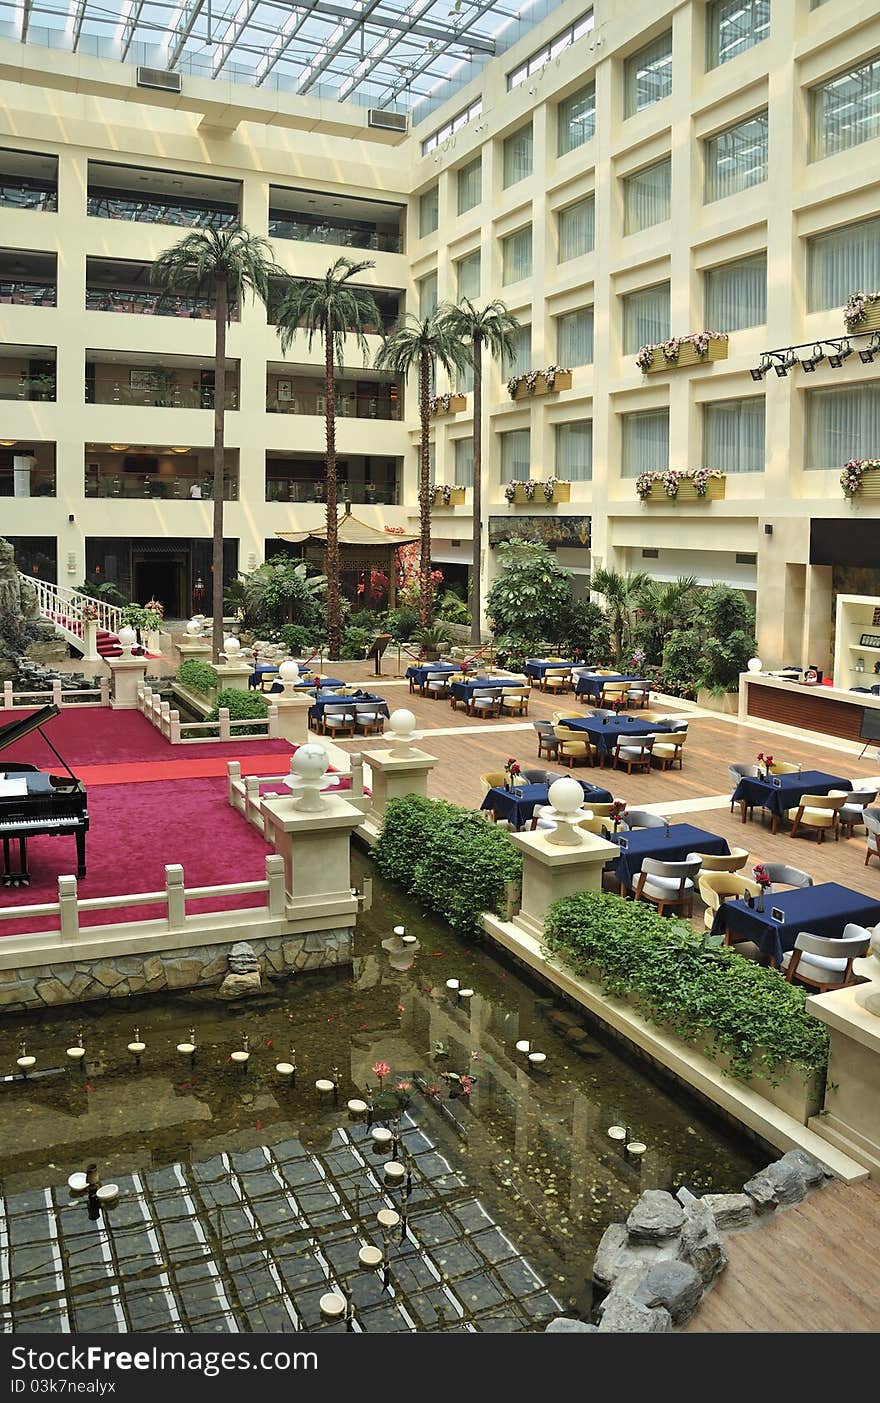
161,78
388,121
650,553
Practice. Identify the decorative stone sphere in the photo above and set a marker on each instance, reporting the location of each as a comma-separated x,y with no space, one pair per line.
193,628
231,647
754,664
566,796
403,723
310,763
289,673
127,638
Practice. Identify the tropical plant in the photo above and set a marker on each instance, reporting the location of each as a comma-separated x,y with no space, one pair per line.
665,605
103,590
421,345
222,266
279,592
299,639
140,618
530,598
197,676
355,642
728,622
621,593
432,639
495,328
330,308
402,623
453,610
585,633
681,659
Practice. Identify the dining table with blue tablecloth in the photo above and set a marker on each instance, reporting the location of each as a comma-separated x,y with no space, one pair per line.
518,805
539,667
463,691
327,698
307,685
419,673
592,684
780,793
670,844
604,731
823,910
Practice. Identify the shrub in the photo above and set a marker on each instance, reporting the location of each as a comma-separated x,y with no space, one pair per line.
355,641
243,706
199,677
531,597
402,623
137,617
586,631
680,981
729,623
453,610
298,639
450,859
364,618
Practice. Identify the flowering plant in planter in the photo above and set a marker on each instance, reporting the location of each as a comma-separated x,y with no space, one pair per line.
440,402
672,479
89,612
670,349
531,377
856,308
444,492
853,471
549,488
528,488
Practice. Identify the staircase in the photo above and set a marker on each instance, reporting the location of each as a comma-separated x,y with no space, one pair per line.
89,625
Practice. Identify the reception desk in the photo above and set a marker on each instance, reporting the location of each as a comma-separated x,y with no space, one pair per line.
832,710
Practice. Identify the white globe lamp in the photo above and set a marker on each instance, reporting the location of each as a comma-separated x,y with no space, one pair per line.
566,797
403,733
307,769
232,648
289,674
193,628
127,639
754,664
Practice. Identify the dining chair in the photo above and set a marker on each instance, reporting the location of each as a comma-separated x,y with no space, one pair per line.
515,701
484,703
436,684
825,962
716,887
633,753
738,772
667,885
538,776
336,720
781,875
557,682
819,811
784,767
574,746
733,861
641,818
547,743
669,748
872,833
853,811
368,720
615,692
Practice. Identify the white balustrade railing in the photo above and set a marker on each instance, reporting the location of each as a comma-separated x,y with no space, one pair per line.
86,696
243,791
167,720
77,616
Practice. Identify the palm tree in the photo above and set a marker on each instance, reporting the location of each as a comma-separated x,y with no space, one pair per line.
422,344
221,265
667,604
621,597
493,326
331,308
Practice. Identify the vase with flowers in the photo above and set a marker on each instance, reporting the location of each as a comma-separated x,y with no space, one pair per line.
616,813
762,878
766,761
512,770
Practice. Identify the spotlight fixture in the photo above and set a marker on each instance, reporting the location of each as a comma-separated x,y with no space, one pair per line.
846,350
786,362
842,349
810,362
870,351
759,371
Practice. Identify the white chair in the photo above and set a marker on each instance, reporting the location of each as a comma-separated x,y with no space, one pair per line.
738,772
640,818
337,719
872,827
666,884
436,684
367,719
781,875
484,704
853,811
634,753
824,962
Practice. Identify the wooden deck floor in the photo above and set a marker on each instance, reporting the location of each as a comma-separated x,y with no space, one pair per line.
815,1267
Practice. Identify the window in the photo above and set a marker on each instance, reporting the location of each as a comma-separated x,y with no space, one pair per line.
842,424
576,228
516,456
845,111
470,185
645,442
843,261
468,276
464,380
464,462
574,451
432,463
647,76
734,26
733,435
646,197
454,124
555,47
736,294
645,317
576,120
574,338
736,159
428,212
516,158
427,295
516,256
522,354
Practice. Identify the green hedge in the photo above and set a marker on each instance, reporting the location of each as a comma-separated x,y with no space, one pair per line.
199,677
243,706
678,980
450,859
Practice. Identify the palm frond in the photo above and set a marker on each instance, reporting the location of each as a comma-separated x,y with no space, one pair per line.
194,266
331,308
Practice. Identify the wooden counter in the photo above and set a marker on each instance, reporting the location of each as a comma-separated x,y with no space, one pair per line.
833,711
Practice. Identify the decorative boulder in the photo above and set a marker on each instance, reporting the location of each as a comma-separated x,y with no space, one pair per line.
677,1286
730,1211
701,1244
656,1217
810,1170
564,1325
617,1254
239,986
777,1186
622,1315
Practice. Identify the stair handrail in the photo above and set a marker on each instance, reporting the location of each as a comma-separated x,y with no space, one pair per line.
62,604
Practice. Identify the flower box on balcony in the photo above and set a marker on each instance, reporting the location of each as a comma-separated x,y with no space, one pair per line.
862,311
701,485
861,478
679,351
448,496
444,405
539,382
534,494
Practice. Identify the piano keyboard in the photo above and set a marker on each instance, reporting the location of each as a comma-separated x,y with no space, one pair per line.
21,825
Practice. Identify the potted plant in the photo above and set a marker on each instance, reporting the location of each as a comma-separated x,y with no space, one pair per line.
862,311
431,640
861,478
693,349
539,382
442,405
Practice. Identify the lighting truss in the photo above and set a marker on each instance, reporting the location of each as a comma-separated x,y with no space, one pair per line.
835,350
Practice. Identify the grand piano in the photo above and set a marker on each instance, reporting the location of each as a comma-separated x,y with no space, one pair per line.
32,801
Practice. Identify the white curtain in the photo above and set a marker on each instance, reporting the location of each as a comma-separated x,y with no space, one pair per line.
517,156
842,424
647,197
464,462
648,75
464,380
469,276
522,353
843,261
516,458
576,119
574,338
645,317
845,111
428,212
577,226
516,256
470,185
574,451
736,159
432,463
733,435
427,295
736,294
734,26
645,442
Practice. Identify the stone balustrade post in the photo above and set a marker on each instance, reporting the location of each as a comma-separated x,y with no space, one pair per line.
174,727
56,691
275,877
104,684
396,776
7,696
233,778
174,891
223,717
127,674
291,716
68,905
553,870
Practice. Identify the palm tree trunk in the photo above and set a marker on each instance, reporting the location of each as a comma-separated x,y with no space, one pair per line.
221,305
477,492
424,498
331,561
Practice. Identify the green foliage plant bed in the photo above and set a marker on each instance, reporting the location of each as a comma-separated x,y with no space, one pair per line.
242,706
744,1016
450,859
198,677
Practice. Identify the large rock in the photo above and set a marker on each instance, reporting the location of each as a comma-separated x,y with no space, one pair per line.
656,1217
777,1186
622,1315
242,959
616,1254
731,1211
677,1286
810,1170
240,986
701,1244
564,1325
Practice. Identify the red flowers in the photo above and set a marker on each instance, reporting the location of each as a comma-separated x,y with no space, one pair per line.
382,1070
761,875
767,759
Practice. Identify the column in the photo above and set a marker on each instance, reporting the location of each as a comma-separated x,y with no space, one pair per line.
23,465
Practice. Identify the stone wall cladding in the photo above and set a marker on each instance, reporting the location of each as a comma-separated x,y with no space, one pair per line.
196,967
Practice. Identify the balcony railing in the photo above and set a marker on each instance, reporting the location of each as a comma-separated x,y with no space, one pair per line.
283,489
27,387
14,195
150,304
159,397
327,231
348,406
132,487
42,482
28,294
150,211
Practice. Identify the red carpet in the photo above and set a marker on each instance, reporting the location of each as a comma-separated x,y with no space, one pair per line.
132,835
142,772
98,736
